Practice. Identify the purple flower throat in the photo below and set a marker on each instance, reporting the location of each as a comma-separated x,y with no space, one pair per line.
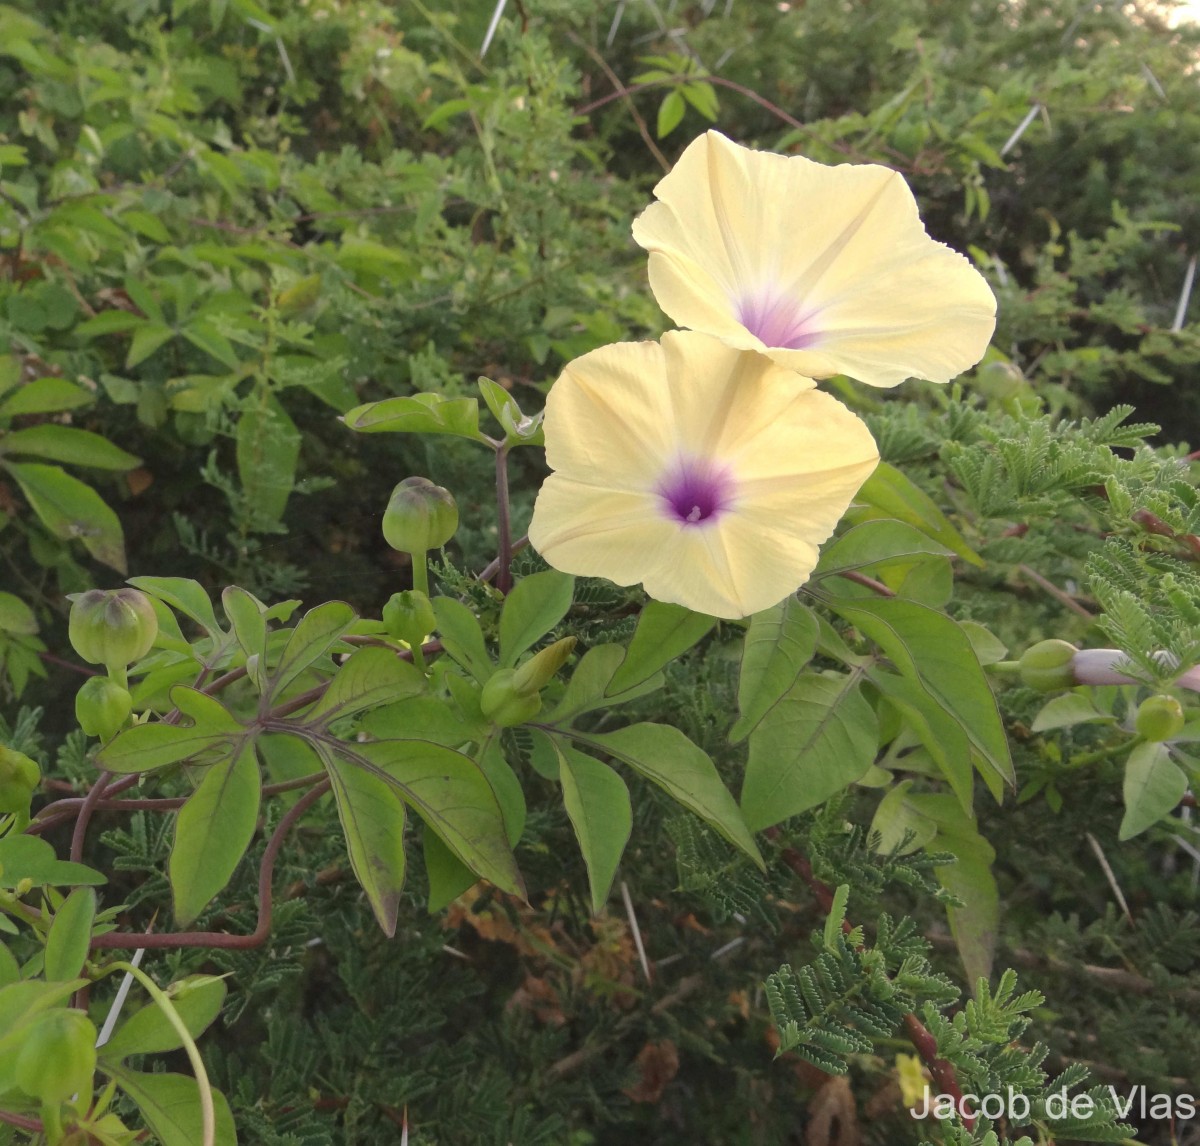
778,321
695,492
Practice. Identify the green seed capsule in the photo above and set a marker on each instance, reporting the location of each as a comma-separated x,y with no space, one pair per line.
1159,718
112,627
1047,666
19,778
102,706
57,1057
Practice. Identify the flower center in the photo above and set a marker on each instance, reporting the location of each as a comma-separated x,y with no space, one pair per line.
695,491
778,321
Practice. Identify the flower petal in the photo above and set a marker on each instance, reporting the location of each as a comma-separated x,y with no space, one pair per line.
772,466
826,269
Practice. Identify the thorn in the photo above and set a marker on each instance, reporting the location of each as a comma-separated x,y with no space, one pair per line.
637,931
491,31
1111,877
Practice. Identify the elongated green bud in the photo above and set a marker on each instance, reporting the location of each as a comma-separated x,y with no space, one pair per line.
102,706
19,778
1159,718
420,516
539,670
112,627
1046,666
57,1057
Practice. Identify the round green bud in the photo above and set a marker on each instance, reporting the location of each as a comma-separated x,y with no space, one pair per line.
1159,718
102,706
420,516
1047,666
19,778
57,1057
112,627
408,616
505,703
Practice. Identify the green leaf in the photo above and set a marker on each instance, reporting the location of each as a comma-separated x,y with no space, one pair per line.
44,396
204,336
247,617
940,732
64,444
268,448
663,633
30,857
197,1000
1068,710
507,787
536,604
588,687
665,756
72,511
670,113
451,794
10,969
70,935
897,817
372,815
314,635
147,225
419,414
519,429
597,801
975,925
170,1105
212,832
888,493
779,643
420,718
818,739
1154,785
370,678
448,876
929,648
185,596
109,322
146,340
148,746
462,638
16,617
873,542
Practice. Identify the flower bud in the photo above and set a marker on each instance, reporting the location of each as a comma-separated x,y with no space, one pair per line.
102,706
1047,667
112,627
19,777
539,670
420,516
506,704
57,1057
1159,718
408,617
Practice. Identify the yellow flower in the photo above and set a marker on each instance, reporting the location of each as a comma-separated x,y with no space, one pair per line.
827,270
710,475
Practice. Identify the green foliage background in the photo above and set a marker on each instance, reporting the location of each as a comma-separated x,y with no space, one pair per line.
222,225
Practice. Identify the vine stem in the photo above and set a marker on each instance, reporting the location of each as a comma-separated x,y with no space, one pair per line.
503,523
178,939
208,1115
941,1071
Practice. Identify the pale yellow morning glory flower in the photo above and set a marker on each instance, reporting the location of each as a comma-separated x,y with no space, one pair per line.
711,475
828,270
